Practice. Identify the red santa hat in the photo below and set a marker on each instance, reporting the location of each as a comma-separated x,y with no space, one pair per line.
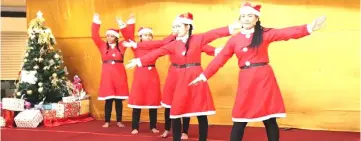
186,18
114,32
249,9
144,30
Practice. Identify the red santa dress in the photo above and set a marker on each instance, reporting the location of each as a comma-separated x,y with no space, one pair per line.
145,92
194,100
258,95
170,82
113,83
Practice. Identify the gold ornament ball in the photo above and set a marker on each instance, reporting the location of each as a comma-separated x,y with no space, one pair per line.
36,59
26,54
40,84
29,92
40,90
56,56
18,93
63,77
51,48
36,67
55,75
25,60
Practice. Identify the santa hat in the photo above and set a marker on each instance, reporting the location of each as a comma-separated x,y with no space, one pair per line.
186,18
114,32
144,30
249,9
176,21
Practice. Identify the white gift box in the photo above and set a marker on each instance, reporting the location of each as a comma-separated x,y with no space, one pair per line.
2,122
13,104
28,119
69,99
60,110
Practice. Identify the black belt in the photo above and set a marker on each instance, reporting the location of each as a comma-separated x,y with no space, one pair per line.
254,65
111,61
186,65
149,66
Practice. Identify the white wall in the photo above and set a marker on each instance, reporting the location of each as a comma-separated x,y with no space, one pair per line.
13,24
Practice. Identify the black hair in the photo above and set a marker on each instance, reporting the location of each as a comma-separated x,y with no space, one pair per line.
257,35
189,37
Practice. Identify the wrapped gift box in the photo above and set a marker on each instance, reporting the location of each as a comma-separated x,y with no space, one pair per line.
84,106
2,122
69,99
13,104
70,109
49,114
50,106
28,119
8,117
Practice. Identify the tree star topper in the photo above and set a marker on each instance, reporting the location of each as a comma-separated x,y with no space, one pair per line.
39,14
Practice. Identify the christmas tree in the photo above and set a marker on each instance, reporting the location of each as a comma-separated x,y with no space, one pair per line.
43,76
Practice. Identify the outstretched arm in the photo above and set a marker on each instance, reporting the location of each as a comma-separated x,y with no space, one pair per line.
211,35
220,59
294,32
127,29
150,57
210,50
95,31
217,62
155,43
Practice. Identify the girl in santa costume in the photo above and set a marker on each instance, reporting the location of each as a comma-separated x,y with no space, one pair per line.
258,97
195,101
169,87
146,45
145,91
113,83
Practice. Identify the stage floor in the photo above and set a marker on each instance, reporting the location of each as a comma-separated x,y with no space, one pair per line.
92,131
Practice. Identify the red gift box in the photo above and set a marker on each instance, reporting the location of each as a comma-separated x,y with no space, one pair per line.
49,114
9,117
69,109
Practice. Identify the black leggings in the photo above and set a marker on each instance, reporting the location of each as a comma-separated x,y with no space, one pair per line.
168,121
271,129
203,128
136,118
118,109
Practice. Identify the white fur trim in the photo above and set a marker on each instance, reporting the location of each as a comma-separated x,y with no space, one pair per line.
165,105
309,28
138,62
203,77
217,51
144,107
112,32
144,31
207,113
278,115
185,21
249,10
131,21
97,21
112,97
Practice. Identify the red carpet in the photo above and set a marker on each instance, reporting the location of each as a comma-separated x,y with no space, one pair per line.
92,131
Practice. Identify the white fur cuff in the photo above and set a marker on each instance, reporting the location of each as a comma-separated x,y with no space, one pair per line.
202,77
309,28
131,21
97,21
138,62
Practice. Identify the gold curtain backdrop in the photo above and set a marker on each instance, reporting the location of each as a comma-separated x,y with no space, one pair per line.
319,75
